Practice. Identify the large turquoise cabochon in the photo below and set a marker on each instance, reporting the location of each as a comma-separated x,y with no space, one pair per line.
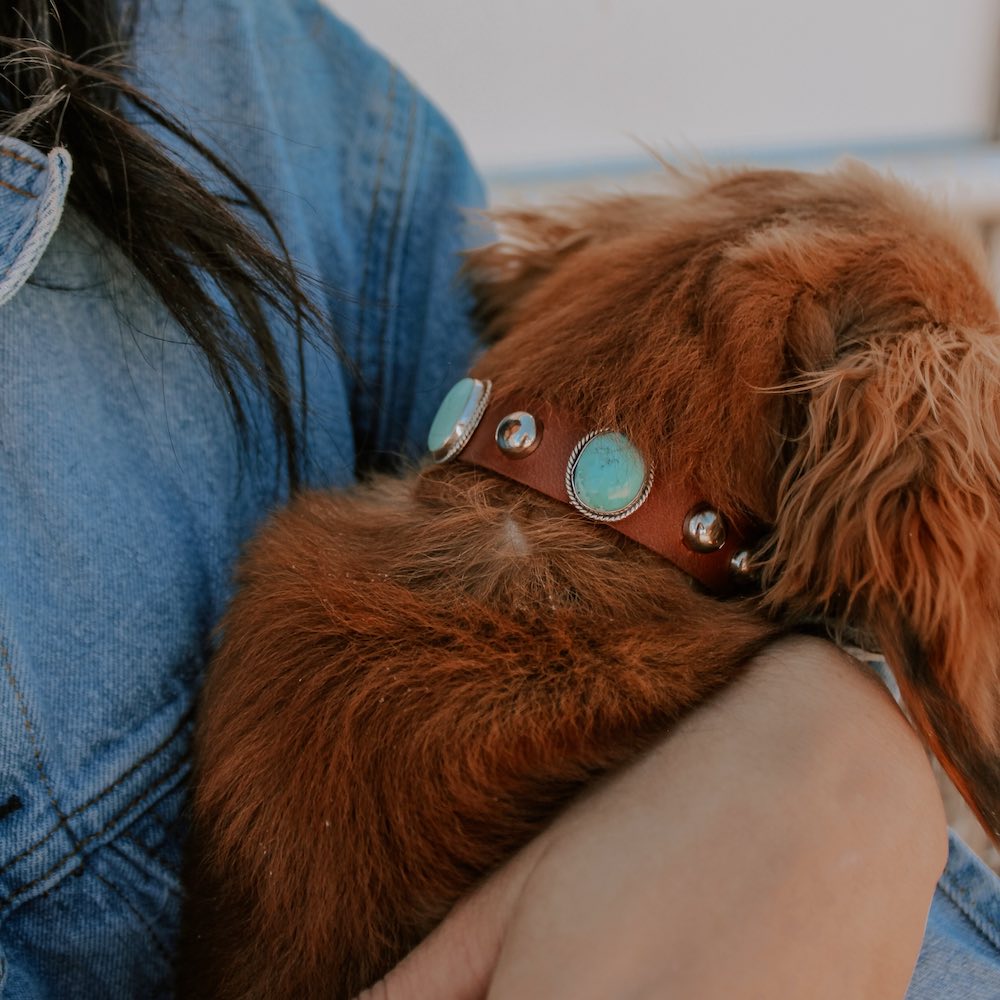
609,473
449,412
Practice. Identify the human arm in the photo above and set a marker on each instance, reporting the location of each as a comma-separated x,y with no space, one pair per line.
784,840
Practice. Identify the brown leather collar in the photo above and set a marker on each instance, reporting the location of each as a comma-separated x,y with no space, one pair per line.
658,524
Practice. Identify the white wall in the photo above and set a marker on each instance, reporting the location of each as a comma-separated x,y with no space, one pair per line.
530,82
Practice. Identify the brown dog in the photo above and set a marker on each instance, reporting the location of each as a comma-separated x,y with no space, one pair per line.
416,675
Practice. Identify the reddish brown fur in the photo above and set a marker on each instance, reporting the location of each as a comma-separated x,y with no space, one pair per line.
416,675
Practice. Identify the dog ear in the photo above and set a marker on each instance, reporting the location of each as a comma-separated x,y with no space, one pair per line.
533,243
888,520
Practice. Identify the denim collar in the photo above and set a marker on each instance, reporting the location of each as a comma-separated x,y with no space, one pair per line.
32,193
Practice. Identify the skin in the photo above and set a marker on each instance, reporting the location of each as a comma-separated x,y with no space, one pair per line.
802,863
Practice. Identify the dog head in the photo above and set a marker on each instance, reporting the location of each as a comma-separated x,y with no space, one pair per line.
817,353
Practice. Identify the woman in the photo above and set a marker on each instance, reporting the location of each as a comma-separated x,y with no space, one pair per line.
252,289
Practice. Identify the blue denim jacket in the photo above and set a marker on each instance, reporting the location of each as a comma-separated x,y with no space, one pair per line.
124,491
125,496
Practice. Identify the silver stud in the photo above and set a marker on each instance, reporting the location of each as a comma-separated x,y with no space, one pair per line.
741,566
704,530
518,434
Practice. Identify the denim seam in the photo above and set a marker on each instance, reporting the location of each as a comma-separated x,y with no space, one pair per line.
77,851
149,855
49,204
94,799
969,912
36,750
160,946
17,190
361,392
154,855
385,385
10,154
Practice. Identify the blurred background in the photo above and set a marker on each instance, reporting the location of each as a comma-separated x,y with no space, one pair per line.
554,95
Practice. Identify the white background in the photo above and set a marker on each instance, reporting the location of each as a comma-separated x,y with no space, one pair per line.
536,82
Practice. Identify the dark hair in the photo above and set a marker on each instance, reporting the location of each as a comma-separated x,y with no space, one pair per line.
62,82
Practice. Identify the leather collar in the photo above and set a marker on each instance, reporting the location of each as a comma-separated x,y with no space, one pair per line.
658,523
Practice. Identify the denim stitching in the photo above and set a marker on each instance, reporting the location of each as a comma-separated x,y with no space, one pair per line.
147,852
377,188
160,947
10,266
390,250
968,912
33,740
96,834
94,799
17,190
166,828
361,390
20,159
48,209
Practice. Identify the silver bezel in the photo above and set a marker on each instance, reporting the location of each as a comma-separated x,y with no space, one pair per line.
590,512
467,422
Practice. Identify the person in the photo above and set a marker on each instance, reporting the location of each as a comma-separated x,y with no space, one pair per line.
229,237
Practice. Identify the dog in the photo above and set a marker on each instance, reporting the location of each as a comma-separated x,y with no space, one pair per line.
800,375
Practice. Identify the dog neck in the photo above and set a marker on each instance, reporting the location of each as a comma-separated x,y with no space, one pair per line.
538,447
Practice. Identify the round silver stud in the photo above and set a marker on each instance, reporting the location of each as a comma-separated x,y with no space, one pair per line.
741,566
518,434
704,530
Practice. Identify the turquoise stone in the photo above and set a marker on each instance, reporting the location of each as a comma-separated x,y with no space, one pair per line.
609,474
449,413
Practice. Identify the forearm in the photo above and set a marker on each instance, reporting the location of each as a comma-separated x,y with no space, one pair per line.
792,836
783,841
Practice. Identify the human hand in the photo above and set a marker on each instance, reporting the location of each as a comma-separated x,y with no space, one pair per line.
784,841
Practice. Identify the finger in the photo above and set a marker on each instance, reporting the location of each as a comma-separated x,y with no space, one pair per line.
456,962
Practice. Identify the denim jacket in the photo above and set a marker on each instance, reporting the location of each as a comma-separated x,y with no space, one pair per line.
125,493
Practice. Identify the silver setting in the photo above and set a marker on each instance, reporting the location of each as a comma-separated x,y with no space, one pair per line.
467,422
704,530
518,434
741,566
590,512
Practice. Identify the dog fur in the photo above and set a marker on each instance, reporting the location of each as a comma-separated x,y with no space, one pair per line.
416,675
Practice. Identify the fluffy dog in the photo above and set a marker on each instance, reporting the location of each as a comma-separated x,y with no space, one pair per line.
416,675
